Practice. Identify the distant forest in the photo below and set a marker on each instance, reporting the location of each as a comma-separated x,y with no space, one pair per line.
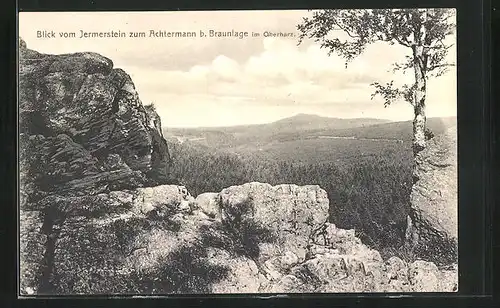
370,194
368,177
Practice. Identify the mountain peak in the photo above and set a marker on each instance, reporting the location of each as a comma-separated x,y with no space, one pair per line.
306,115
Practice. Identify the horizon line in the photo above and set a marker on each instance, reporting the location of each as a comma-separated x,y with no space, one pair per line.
298,114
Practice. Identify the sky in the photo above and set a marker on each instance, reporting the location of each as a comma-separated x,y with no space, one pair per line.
215,81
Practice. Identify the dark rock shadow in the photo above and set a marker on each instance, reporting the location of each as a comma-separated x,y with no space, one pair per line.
241,241
163,220
186,270
440,250
88,257
240,235
305,274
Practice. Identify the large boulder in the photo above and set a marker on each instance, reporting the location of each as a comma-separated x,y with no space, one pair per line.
280,218
345,265
59,165
85,140
143,241
85,110
433,221
95,244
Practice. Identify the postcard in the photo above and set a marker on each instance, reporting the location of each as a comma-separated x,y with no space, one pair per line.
238,152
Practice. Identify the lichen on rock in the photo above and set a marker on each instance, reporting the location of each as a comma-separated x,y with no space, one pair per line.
433,221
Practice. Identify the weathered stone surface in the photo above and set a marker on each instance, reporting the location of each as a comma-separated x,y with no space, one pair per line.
286,212
243,275
433,221
349,266
98,244
87,111
32,241
160,148
144,243
58,165
85,141
208,204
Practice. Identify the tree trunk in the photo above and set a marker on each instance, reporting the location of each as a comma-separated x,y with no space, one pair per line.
419,118
419,121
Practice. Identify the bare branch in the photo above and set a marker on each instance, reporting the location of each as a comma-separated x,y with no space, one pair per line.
440,66
346,31
438,47
403,66
403,41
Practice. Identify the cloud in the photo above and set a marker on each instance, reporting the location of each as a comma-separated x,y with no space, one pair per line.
280,72
226,68
225,80
282,80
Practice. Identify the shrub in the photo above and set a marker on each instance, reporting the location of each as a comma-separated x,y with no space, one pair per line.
241,235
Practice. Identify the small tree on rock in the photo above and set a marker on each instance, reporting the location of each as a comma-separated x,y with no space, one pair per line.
422,31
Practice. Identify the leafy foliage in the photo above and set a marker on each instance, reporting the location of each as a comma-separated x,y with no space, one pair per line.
423,31
392,94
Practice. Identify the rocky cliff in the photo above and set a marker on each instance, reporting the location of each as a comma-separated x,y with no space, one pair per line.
83,132
82,117
433,221
97,214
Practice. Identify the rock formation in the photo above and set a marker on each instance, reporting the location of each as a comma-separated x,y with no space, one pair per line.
146,243
83,132
83,118
433,221
97,213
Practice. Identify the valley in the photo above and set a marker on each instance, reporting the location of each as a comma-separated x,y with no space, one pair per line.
364,165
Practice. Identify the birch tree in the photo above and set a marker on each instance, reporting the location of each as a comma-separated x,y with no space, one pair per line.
422,31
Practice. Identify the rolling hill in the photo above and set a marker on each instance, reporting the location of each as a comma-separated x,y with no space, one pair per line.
302,127
395,130
288,128
365,165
